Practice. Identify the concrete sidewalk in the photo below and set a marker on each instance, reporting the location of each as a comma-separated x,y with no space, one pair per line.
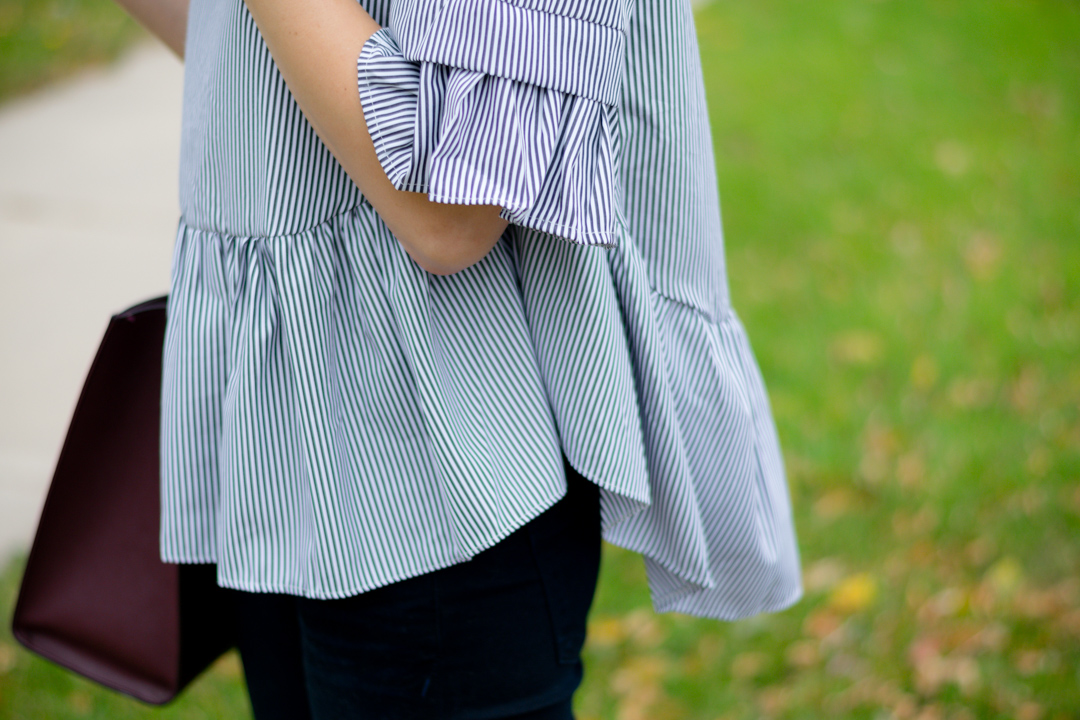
88,212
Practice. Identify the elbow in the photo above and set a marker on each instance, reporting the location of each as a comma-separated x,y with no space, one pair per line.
445,266
454,247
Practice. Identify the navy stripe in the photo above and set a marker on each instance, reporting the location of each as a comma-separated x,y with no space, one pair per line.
335,419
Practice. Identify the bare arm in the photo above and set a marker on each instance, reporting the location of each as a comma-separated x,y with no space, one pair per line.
165,18
315,44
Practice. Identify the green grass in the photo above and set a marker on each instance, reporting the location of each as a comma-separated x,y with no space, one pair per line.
42,40
901,194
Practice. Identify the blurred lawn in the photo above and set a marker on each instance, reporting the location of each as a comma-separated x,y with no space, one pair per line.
42,40
901,188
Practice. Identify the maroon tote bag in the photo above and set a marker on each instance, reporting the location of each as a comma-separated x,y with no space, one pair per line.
95,598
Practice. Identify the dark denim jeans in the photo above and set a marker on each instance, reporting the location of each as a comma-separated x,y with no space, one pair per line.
495,638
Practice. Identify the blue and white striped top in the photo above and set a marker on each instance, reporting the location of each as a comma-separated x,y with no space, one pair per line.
335,419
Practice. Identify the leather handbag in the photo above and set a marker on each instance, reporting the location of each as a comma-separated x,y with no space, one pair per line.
95,596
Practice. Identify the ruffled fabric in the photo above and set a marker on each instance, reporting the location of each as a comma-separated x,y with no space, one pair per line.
657,401
464,137
335,419
650,390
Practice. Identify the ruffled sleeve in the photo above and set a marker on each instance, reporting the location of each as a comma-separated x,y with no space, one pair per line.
465,136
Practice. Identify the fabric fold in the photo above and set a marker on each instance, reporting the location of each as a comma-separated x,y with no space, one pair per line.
465,137
331,349
663,407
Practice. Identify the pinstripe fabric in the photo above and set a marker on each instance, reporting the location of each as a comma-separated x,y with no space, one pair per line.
549,164
335,419
572,46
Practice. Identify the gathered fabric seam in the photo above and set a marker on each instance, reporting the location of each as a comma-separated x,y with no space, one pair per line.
276,236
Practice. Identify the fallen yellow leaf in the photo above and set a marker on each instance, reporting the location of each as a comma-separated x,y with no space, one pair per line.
605,632
1005,575
854,593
